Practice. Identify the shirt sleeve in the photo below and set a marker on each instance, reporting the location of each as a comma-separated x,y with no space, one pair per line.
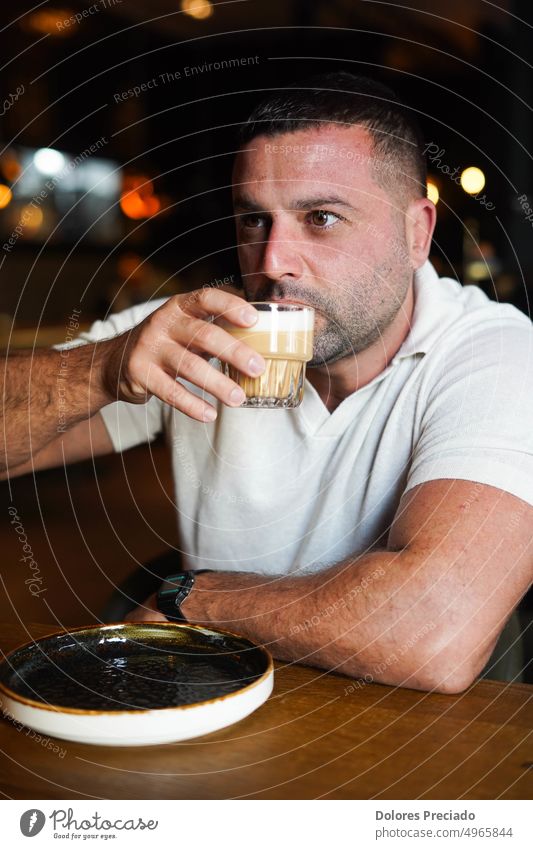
132,424
127,424
477,423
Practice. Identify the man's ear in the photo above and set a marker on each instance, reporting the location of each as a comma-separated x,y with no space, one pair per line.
420,220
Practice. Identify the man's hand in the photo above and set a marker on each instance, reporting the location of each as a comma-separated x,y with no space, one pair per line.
175,341
52,398
146,612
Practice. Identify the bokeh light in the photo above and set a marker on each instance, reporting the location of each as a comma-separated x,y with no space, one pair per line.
5,196
48,161
31,217
56,22
10,166
138,199
199,9
472,180
433,191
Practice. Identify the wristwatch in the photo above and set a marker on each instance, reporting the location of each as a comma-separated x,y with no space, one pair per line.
173,592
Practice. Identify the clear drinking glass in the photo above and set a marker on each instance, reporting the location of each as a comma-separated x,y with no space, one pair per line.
283,335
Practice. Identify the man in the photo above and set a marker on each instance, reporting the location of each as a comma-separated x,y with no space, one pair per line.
383,528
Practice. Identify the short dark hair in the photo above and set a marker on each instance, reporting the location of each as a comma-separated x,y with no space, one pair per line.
344,98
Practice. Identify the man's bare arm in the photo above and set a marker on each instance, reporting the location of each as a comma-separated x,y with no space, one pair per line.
85,439
424,614
47,393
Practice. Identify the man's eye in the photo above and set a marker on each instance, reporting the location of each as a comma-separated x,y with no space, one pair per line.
252,221
324,220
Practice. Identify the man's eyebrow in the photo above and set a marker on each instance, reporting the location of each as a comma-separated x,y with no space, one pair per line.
320,202
244,203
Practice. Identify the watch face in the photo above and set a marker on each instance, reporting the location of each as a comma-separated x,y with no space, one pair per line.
170,585
174,590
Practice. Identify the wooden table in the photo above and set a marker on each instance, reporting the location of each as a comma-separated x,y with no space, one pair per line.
319,735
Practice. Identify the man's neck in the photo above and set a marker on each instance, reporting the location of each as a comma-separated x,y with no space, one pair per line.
336,382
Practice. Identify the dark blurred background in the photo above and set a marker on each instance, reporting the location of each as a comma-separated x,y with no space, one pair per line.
147,209
117,129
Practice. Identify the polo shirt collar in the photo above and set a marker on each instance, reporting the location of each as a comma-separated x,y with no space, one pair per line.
431,300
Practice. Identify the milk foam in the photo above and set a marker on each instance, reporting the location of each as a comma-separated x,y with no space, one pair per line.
284,321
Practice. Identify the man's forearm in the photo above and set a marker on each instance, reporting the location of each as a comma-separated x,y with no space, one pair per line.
364,616
425,613
47,392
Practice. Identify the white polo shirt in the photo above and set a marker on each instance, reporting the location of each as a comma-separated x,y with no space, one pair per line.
277,491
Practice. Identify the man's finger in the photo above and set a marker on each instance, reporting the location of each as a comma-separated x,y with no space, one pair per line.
203,303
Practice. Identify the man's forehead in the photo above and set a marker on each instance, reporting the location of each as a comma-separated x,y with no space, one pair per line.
312,142
314,155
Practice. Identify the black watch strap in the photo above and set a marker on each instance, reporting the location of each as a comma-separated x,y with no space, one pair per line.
173,592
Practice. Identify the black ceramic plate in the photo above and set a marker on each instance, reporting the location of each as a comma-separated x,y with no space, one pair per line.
134,669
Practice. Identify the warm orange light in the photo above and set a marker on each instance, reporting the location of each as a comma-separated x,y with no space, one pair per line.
138,199
199,9
58,22
129,265
5,196
31,217
10,166
134,206
433,191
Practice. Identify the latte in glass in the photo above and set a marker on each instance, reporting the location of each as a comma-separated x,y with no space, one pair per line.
283,335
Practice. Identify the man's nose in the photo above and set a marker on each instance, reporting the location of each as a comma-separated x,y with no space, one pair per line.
282,254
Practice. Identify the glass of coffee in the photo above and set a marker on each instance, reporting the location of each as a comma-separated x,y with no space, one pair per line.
283,335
